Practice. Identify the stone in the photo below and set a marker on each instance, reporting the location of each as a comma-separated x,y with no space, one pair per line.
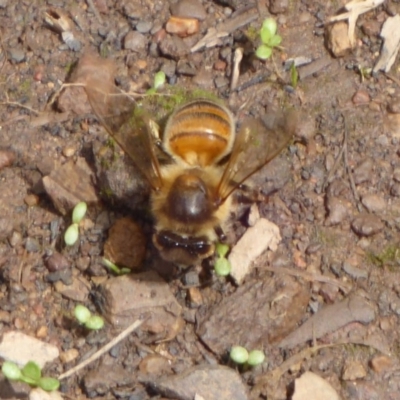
21,348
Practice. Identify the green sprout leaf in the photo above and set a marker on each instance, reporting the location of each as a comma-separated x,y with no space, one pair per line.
221,249
222,266
294,75
270,25
48,384
114,268
95,323
275,41
11,371
256,357
265,35
71,235
82,313
263,52
239,354
79,212
31,371
159,79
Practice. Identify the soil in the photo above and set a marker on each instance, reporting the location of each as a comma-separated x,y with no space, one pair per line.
334,193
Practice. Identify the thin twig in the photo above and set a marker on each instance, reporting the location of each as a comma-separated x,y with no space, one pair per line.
55,95
392,78
16,104
4,53
334,167
237,58
95,11
312,277
103,350
346,165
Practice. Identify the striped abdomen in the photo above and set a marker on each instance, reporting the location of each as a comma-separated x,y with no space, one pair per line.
200,132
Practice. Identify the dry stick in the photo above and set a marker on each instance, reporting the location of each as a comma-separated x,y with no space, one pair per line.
16,104
237,58
4,53
395,80
54,97
346,165
103,350
95,11
333,169
345,287
273,376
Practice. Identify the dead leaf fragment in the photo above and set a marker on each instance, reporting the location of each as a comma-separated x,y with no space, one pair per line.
391,34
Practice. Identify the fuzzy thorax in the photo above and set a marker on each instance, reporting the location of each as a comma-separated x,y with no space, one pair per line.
204,223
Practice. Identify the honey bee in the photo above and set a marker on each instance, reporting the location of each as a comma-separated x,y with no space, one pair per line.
207,160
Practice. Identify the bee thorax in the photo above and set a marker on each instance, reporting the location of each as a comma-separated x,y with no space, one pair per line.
189,200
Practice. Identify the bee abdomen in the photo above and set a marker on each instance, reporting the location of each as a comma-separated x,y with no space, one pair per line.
200,132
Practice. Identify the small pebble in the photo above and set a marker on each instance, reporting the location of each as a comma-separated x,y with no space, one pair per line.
353,370
7,157
42,332
69,355
141,65
367,224
17,55
144,26
394,106
32,245
395,190
361,97
396,175
278,6
220,65
56,262
15,239
374,202
189,9
182,27
195,297
169,68
381,364
68,151
363,171
135,41
31,200
19,323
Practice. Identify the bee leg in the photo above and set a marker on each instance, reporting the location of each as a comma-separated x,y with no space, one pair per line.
250,194
220,233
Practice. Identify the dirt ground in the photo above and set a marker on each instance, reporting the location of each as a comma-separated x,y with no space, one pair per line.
334,193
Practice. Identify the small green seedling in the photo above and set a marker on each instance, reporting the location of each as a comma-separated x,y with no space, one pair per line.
269,39
30,374
222,265
294,76
159,81
85,317
256,357
365,72
71,235
241,356
114,268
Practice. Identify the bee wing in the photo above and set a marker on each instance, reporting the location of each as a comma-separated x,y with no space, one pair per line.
257,142
132,129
